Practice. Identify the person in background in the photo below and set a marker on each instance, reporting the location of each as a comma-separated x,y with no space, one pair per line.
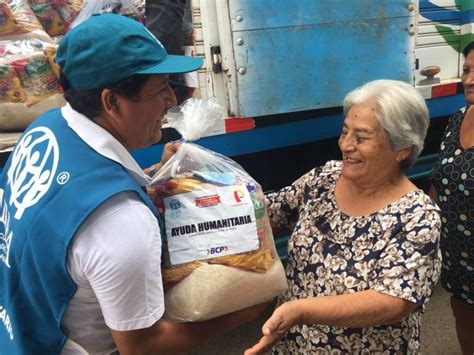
452,188
166,20
363,256
80,244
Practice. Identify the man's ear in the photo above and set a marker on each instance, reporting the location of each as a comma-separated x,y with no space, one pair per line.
110,102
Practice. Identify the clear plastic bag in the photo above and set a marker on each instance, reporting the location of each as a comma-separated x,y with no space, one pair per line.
19,22
119,7
49,17
28,82
219,255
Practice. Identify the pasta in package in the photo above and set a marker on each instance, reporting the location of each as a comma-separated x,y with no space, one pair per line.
218,250
56,15
28,82
18,22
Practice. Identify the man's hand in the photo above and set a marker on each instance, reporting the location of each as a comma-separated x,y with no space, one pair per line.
275,328
168,151
248,314
167,337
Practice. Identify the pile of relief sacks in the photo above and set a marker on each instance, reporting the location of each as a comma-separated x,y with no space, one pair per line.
30,31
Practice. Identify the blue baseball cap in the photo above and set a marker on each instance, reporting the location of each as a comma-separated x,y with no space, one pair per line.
107,48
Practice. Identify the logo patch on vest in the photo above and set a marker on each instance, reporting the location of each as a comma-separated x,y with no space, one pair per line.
33,167
34,162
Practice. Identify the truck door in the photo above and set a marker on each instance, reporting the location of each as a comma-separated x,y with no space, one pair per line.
281,56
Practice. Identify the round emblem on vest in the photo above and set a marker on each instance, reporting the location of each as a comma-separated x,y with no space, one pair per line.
33,167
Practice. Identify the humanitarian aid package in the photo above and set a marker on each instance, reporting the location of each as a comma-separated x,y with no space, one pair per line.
219,255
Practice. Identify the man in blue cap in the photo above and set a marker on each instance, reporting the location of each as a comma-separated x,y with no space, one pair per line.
80,245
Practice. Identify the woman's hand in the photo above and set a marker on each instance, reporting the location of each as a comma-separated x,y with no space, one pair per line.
356,310
275,328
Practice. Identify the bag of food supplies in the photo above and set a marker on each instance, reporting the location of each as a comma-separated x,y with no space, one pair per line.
219,254
119,7
28,82
18,22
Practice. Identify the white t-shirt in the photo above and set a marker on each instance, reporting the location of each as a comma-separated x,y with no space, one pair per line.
114,258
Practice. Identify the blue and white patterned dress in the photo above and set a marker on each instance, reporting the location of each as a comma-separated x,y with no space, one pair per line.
394,251
453,179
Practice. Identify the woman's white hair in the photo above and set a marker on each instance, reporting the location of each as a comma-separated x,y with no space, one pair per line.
400,110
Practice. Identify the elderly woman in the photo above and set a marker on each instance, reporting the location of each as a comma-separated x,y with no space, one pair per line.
453,190
363,256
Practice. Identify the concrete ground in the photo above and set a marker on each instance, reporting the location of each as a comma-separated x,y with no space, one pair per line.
438,332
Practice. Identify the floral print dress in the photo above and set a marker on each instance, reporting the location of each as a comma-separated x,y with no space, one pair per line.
394,251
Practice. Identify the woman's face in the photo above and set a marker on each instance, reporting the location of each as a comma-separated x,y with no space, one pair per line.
467,78
366,153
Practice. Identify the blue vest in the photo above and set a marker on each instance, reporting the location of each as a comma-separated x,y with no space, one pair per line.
51,183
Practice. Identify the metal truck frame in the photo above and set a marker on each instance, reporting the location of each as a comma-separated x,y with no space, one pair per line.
282,67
